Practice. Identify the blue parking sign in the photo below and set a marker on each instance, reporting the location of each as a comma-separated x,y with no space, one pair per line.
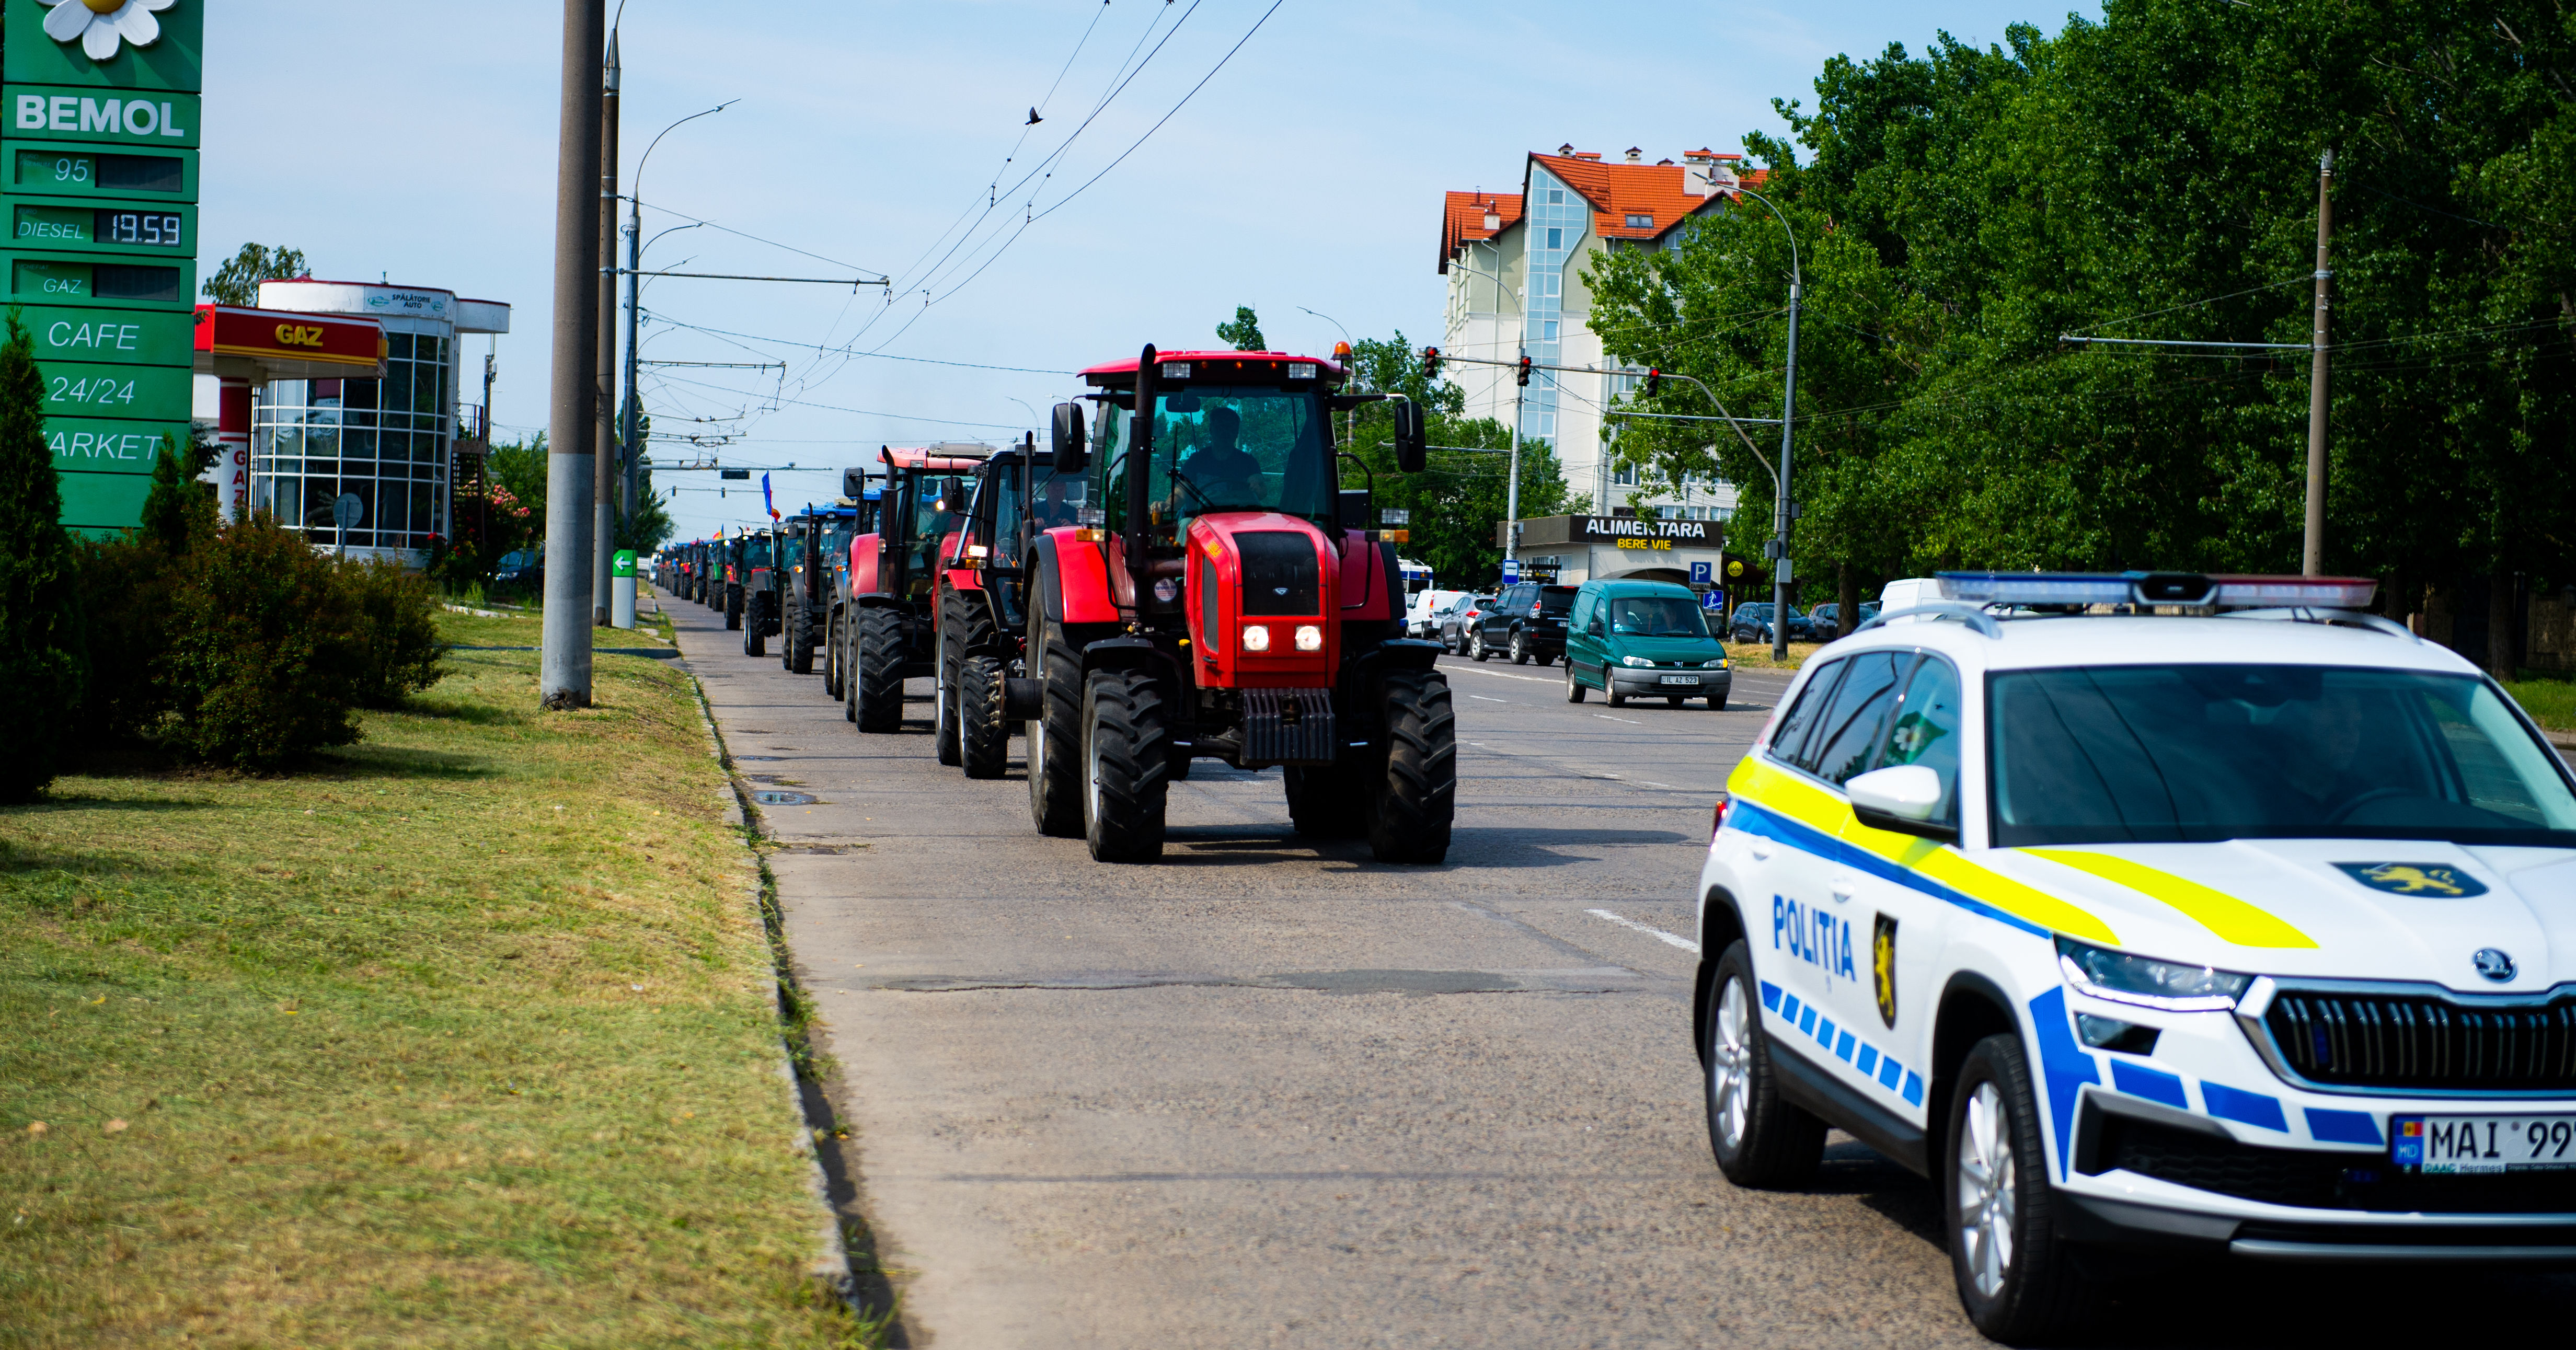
1702,573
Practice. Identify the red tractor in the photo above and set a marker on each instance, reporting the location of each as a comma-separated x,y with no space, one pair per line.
1220,594
890,615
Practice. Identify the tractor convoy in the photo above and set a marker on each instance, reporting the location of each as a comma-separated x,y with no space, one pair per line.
1180,573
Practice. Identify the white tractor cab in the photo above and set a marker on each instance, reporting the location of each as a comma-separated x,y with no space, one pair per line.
2153,910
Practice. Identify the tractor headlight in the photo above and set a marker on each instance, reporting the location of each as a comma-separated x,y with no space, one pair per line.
1256,637
1635,661
1310,637
2147,982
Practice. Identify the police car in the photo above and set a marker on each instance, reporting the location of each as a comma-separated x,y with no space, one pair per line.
2153,910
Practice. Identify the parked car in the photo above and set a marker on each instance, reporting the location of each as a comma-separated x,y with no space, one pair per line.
1643,639
1457,618
1527,623
1752,623
1826,622
1422,608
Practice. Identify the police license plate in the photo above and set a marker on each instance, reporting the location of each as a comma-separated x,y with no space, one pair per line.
1678,679
2452,1145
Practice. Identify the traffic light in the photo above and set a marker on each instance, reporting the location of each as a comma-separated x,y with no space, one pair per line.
1654,383
1431,363
1521,374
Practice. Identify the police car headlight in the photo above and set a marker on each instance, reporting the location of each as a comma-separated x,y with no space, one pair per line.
1634,661
2147,982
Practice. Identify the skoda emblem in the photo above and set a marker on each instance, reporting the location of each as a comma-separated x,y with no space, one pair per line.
1278,590
2493,964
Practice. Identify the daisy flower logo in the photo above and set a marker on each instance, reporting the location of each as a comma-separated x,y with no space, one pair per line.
102,24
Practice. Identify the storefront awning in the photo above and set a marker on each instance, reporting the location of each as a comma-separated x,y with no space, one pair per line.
260,345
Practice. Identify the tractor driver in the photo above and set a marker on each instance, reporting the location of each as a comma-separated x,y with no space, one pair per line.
1222,472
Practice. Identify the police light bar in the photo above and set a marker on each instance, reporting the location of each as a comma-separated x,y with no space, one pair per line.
2156,588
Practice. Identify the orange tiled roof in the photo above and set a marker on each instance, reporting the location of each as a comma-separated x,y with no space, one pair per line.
1462,219
1618,191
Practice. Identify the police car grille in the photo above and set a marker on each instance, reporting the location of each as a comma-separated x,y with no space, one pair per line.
2419,1041
2316,1179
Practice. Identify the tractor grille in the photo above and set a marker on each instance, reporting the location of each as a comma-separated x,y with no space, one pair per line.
1280,574
2424,1041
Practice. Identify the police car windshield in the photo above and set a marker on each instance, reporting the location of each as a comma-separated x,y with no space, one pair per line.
2196,753
1656,616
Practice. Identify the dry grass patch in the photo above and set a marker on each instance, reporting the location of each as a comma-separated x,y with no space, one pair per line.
465,1036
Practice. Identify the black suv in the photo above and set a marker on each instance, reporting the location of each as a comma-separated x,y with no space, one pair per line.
1527,621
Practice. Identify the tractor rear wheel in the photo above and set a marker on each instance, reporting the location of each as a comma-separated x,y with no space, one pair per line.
984,738
943,720
1055,735
1126,765
879,700
1414,799
755,626
850,665
800,640
733,607
832,657
1324,801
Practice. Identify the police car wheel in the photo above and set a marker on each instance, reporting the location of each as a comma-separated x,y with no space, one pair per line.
1761,1141
2019,1282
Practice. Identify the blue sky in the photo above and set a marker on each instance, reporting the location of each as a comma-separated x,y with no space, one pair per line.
416,143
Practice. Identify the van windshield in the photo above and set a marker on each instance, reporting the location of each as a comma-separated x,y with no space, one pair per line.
2197,753
1655,616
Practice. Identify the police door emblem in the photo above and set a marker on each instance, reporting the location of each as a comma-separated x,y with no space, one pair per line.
1882,967
2439,881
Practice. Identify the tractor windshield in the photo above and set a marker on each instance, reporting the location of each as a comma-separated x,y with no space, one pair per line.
1234,448
933,516
755,553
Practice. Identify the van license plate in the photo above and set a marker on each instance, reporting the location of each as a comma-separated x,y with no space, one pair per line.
2456,1145
1678,679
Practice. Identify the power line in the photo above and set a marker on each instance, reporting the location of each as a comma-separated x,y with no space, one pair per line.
845,351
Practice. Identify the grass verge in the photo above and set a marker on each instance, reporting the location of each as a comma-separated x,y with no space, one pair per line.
1757,655
468,1035
2551,703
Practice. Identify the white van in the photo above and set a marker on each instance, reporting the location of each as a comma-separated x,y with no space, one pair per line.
1907,593
1420,609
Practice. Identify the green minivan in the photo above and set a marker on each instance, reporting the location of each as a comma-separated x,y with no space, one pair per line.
1643,639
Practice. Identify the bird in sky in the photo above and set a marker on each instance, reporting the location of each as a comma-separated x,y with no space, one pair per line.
1034,119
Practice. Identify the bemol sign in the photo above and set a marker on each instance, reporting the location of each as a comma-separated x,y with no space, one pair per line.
99,107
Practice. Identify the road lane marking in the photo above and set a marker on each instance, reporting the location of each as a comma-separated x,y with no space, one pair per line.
1501,675
1608,718
1489,700
1660,935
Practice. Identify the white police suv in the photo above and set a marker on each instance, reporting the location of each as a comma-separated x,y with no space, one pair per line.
2153,909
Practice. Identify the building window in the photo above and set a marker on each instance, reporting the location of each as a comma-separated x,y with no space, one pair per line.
1547,330
1638,222
1626,477
1556,196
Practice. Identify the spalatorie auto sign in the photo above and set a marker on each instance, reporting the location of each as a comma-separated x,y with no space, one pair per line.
99,129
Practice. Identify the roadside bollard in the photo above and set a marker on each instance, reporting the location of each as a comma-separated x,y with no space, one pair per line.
621,590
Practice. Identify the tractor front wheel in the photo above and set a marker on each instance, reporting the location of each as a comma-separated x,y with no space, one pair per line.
1055,735
800,641
944,721
1414,799
1126,765
878,702
832,657
984,738
755,627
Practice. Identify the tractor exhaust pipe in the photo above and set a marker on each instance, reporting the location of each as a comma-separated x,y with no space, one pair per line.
1140,465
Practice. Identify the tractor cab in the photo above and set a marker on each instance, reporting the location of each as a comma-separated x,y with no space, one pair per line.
983,636
1220,594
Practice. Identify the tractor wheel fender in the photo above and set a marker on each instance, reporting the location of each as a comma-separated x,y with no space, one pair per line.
874,600
1123,654
1073,579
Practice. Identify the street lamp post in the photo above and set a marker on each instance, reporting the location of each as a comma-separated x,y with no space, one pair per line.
1511,488
1781,572
634,408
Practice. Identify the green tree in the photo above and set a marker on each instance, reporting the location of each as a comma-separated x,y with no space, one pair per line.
237,281
1457,503
42,655
519,467
1244,333
180,509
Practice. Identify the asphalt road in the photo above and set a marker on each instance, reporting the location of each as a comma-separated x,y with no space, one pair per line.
1270,1092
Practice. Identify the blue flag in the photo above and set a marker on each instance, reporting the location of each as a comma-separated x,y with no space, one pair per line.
765,503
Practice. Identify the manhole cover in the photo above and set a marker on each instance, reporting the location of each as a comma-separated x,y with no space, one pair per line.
776,798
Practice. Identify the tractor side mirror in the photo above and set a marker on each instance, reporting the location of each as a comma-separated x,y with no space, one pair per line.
1072,449
1352,508
854,484
952,495
1410,452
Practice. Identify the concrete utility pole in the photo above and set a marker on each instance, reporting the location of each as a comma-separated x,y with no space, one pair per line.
2312,549
604,461
564,678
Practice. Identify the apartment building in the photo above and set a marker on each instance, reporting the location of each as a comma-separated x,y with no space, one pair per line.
1514,262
